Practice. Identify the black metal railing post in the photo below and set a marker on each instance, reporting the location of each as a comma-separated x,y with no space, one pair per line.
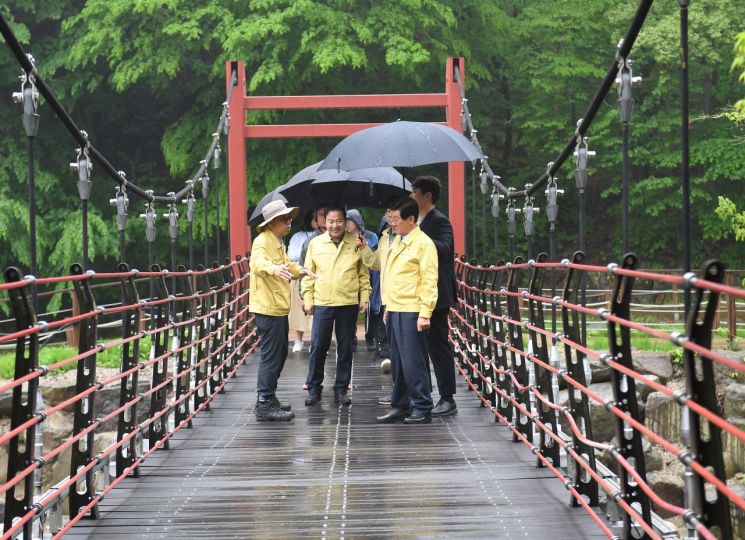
518,364
217,336
161,348
19,498
229,326
542,376
127,454
186,354
82,452
203,343
624,395
578,403
704,438
499,355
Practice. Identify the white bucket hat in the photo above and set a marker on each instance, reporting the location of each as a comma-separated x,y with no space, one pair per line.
275,209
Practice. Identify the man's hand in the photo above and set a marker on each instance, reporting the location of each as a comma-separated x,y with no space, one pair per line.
422,324
283,272
361,242
308,308
363,307
307,272
385,317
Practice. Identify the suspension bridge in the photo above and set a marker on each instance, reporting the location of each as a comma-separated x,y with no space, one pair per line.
166,443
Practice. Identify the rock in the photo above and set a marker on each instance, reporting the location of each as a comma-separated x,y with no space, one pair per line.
653,363
600,373
644,390
56,429
729,465
733,446
60,468
662,415
6,403
737,515
734,401
670,487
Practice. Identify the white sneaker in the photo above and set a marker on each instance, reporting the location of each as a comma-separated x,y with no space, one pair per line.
297,347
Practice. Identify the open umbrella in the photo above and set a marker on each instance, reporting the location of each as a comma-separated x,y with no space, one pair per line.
367,187
273,195
400,144
362,187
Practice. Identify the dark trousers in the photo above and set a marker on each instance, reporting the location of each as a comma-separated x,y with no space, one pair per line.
441,352
325,320
273,333
409,365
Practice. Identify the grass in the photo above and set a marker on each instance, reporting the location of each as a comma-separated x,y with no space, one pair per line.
56,353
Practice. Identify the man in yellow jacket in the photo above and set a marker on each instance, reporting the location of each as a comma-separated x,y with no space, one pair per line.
338,291
409,290
271,272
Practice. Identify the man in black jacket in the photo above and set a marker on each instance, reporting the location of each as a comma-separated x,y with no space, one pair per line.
436,225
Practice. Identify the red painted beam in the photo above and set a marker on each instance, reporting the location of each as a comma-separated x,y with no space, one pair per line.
456,170
240,234
285,131
363,101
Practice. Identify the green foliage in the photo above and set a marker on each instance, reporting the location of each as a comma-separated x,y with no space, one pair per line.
146,79
734,219
738,64
51,354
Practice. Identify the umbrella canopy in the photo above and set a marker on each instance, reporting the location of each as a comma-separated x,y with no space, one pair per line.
400,144
274,195
362,187
366,187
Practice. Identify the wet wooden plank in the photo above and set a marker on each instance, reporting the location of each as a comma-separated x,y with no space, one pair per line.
334,473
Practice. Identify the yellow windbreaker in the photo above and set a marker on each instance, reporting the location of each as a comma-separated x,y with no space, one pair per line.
409,277
269,294
342,279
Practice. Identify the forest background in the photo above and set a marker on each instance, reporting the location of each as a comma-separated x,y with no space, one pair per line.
146,80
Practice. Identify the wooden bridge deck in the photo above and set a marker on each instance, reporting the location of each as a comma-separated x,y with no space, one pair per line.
334,473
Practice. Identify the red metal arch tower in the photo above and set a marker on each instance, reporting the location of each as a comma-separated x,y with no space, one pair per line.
240,233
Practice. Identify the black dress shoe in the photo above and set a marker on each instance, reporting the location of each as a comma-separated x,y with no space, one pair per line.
385,400
418,419
445,408
342,399
393,416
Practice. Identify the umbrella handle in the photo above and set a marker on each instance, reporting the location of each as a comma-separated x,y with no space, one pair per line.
372,188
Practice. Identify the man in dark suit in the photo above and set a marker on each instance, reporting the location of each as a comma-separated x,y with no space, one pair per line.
436,225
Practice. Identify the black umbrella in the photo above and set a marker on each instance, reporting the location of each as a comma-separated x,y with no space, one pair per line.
400,144
273,195
367,187
361,187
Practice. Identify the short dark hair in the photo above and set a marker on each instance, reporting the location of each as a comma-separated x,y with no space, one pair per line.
336,208
308,218
408,208
428,184
390,204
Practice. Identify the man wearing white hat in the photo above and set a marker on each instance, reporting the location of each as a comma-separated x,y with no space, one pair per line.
271,273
